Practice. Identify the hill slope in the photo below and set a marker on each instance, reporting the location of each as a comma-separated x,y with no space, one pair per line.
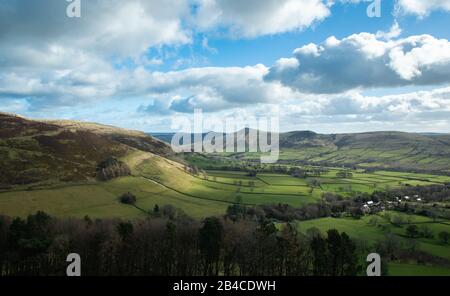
374,149
34,151
394,150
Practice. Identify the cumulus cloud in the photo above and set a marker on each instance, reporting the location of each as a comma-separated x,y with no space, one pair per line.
56,76
422,8
365,61
50,59
111,27
355,103
252,18
210,88
356,112
394,32
353,112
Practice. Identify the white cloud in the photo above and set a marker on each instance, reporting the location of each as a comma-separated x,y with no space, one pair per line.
115,27
205,45
422,8
394,32
209,88
355,103
365,61
49,61
252,18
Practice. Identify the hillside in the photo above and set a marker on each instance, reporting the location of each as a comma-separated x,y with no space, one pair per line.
393,150
396,150
35,151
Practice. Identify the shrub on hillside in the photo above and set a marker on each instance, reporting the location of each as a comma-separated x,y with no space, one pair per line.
112,168
128,198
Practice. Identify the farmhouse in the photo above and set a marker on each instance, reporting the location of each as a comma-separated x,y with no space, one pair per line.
372,207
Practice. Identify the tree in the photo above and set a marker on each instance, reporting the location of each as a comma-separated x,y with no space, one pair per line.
172,247
398,220
335,251
426,232
210,240
252,172
314,183
169,211
344,174
349,258
389,246
128,198
356,212
125,230
320,255
299,173
195,170
313,232
237,210
412,231
112,168
444,237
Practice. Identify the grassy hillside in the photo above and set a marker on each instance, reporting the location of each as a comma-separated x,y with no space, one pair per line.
158,180
62,151
389,150
377,149
51,166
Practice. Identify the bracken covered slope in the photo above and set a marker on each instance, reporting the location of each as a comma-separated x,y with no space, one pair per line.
34,151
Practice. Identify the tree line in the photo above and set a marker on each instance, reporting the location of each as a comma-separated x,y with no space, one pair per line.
177,245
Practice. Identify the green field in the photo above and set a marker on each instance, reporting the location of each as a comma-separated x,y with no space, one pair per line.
157,180
405,269
362,230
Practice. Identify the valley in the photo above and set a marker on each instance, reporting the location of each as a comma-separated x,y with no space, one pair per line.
157,180
52,167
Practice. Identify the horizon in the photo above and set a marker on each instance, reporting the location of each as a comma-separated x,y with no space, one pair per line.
284,132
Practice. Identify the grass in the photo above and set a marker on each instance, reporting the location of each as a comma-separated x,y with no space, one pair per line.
157,180
359,229
100,200
405,269
362,230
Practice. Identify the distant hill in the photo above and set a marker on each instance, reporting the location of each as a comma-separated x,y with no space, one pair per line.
34,151
399,150
53,151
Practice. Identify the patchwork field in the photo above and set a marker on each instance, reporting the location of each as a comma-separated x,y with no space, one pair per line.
157,180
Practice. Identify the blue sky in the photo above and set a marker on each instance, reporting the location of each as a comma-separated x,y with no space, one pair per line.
346,19
140,64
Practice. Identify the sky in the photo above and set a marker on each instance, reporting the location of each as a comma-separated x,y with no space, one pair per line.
320,65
